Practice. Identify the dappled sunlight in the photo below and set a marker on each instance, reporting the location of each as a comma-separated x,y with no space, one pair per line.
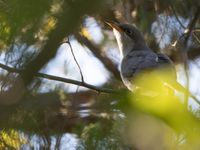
64,84
11,139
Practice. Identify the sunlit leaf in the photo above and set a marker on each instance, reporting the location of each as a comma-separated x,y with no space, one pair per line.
84,31
154,97
11,139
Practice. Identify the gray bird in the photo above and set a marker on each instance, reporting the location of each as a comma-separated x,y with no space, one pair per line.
137,57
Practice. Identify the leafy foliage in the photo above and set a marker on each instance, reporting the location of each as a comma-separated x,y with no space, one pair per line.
155,116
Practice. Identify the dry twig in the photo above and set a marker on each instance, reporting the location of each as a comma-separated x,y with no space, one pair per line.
61,79
74,57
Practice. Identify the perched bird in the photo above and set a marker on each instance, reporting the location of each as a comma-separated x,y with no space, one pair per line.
152,78
141,62
137,57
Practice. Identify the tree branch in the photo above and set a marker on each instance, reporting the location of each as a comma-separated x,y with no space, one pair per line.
192,25
187,33
176,16
189,29
67,22
97,52
74,57
61,79
71,81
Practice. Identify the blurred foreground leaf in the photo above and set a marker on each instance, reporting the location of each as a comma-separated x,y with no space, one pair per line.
156,103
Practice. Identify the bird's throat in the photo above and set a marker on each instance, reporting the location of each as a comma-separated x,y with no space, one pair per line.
127,44
118,37
124,43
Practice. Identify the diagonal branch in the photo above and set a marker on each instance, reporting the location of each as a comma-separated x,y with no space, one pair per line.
67,22
61,79
189,29
176,16
71,81
97,52
187,33
192,25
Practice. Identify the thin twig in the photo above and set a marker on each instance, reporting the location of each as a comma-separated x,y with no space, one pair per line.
109,65
184,53
188,32
192,25
185,44
61,79
195,98
74,57
177,18
196,37
181,24
196,30
71,81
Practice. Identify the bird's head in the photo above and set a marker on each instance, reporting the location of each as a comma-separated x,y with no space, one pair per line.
128,37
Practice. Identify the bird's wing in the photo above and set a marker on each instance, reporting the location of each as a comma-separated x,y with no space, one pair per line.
147,65
138,61
165,60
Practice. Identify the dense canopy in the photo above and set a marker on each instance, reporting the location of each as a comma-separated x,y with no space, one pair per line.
59,76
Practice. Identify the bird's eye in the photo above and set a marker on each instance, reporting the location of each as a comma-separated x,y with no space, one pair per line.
128,31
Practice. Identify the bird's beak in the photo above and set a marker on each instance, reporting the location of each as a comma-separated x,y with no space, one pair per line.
114,26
